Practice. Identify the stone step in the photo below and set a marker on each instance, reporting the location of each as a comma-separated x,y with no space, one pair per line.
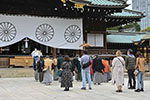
26,72
147,73
16,72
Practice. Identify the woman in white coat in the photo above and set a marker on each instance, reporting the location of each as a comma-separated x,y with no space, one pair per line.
118,71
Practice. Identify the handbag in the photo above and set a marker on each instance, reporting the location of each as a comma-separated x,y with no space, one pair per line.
86,64
59,73
76,69
102,71
136,71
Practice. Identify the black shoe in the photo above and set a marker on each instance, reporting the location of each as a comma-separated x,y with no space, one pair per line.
55,79
90,88
131,88
137,90
99,84
118,90
66,89
142,90
83,88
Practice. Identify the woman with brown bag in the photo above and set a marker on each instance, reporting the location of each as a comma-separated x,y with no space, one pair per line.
140,77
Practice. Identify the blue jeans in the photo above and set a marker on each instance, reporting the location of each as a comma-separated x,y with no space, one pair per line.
86,73
140,80
35,59
33,65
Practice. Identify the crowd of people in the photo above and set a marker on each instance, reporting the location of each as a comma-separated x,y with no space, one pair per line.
132,64
87,69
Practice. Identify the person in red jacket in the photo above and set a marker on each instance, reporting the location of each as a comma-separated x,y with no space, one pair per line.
107,70
91,70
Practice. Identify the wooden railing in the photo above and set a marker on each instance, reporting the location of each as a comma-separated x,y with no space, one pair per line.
103,51
7,61
4,61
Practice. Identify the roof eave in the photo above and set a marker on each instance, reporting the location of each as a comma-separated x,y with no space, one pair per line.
125,16
134,11
81,2
88,3
107,6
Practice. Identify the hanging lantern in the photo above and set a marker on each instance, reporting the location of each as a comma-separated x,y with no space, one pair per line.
58,50
26,43
46,49
136,43
79,5
142,42
64,1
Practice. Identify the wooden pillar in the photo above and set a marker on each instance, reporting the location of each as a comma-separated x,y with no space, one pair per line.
105,40
54,52
81,53
0,50
147,55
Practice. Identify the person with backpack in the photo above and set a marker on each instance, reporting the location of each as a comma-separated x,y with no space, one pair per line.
85,70
130,62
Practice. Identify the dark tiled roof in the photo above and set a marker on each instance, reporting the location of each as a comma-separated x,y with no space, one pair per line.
103,3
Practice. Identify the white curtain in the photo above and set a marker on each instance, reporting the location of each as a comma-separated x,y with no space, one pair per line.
53,32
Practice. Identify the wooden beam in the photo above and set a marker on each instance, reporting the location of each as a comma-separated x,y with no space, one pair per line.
54,52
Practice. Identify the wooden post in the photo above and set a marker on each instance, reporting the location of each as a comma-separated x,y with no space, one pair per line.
0,50
105,40
81,52
54,52
147,57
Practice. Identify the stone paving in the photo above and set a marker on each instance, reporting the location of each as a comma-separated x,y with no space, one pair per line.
28,89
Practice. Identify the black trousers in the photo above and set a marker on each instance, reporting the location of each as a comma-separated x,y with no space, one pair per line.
41,74
131,78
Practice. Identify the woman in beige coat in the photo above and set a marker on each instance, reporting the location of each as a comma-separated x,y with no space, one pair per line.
47,79
118,71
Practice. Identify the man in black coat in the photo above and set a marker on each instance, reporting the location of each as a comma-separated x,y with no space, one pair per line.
97,64
40,66
98,69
